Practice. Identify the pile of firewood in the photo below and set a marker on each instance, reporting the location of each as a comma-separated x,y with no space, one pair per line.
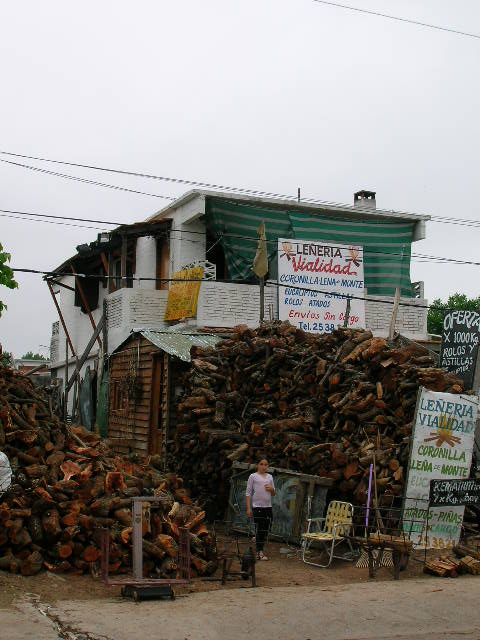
67,483
467,560
327,405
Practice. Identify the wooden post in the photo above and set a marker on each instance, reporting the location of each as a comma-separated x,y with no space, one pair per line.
76,390
123,263
262,299
105,335
111,281
394,313
347,313
61,317
85,304
88,348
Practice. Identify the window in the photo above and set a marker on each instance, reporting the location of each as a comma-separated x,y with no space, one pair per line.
163,263
90,291
120,396
216,255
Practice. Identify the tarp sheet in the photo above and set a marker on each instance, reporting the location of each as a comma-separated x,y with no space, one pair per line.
387,244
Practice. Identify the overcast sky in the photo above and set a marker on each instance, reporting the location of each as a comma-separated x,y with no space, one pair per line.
268,94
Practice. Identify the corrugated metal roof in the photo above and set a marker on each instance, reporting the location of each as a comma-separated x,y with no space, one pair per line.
179,344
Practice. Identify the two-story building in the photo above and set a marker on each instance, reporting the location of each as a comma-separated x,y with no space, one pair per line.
128,269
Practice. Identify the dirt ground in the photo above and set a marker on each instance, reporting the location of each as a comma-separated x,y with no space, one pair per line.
281,570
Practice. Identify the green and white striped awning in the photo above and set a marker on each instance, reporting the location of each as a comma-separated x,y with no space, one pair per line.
386,244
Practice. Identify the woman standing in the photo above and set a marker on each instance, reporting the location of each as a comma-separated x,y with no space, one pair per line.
260,490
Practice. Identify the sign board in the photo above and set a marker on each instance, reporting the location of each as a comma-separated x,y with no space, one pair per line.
183,296
316,280
460,338
454,492
441,448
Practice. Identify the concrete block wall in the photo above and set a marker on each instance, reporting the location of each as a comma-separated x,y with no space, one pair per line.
54,342
223,304
411,318
134,308
226,305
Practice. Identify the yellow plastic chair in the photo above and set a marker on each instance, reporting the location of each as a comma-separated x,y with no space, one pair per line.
337,525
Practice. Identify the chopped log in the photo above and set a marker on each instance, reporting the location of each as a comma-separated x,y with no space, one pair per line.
198,402
9,563
168,544
64,551
114,482
35,529
36,470
443,567
51,523
462,550
153,550
124,516
91,554
472,565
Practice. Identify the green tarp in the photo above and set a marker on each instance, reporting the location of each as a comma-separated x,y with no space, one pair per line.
387,244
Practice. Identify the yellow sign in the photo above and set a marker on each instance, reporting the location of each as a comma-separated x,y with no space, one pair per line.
183,296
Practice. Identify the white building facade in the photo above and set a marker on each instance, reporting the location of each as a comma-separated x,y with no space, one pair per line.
208,228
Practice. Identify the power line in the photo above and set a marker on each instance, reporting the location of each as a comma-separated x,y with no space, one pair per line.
65,224
49,215
194,183
399,19
50,274
68,176
418,257
234,190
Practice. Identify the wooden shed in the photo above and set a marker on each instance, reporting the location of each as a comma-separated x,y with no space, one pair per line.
146,377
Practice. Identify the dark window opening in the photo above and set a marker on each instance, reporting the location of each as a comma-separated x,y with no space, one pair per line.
216,255
90,288
120,397
163,263
117,272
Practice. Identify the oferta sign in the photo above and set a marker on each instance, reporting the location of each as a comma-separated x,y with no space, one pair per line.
441,448
460,339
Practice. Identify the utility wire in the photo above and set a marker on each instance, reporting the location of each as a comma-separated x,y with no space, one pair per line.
49,215
195,183
233,190
345,296
419,257
446,220
65,224
68,176
398,18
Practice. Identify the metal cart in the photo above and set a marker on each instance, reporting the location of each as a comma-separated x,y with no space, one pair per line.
232,547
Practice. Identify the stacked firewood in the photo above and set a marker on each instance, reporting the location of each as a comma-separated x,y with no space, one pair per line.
67,483
327,405
444,566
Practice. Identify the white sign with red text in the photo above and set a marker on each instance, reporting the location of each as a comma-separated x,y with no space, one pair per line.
316,279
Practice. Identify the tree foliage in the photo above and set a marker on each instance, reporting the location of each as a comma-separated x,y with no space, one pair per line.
456,301
33,356
6,275
7,359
